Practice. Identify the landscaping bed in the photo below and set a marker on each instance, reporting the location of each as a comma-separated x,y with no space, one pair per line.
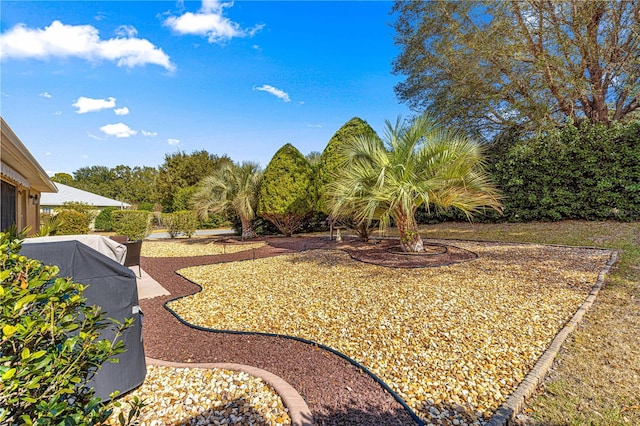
452,341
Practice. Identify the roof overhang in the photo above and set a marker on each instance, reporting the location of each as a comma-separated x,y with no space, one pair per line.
18,163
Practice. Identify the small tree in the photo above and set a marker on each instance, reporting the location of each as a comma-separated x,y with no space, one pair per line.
419,163
230,188
286,195
135,224
329,164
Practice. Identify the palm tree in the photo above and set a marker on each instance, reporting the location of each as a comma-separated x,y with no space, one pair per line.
232,187
419,163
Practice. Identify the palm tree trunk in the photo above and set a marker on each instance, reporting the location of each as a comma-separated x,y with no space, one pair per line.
247,229
410,239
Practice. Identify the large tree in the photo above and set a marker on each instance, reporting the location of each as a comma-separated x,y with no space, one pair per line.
418,163
131,185
181,170
232,187
492,65
287,190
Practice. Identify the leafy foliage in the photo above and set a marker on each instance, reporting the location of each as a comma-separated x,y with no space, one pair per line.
103,219
183,222
131,185
489,65
181,170
419,163
589,172
286,194
135,224
330,160
72,222
50,345
232,188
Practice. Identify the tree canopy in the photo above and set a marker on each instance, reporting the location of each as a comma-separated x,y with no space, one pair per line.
330,160
286,193
495,64
123,183
232,187
181,170
419,163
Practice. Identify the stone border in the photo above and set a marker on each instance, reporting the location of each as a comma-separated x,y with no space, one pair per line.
298,409
514,404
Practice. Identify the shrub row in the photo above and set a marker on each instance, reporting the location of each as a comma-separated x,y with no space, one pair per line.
182,222
590,172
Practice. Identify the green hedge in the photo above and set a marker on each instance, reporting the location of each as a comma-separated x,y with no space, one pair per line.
591,172
182,222
135,224
72,222
103,220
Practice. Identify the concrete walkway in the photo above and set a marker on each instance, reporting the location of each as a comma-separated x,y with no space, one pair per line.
148,288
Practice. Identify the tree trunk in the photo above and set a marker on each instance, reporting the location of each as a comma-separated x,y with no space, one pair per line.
247,229
363,231
410,239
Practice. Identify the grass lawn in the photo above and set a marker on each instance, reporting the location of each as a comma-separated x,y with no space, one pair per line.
454,339
596,379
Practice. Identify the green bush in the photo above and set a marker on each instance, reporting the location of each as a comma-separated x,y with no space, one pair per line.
135,224
589,172
182,222
215,220
103,220
90,211
286,194
50,346
72,222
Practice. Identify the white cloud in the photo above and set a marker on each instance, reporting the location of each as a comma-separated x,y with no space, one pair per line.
47,154
121,111
82,41
85,105
209,22
126,31
173,142
92,136
46,95
150,134
119,130
57,113
274,91
314,126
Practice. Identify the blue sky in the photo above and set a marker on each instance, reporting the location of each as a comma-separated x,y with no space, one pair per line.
89,83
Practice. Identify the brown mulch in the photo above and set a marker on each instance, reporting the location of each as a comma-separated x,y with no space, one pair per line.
337,392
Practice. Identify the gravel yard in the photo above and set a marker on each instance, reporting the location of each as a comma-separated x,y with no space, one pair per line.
195,247
195,396
452,341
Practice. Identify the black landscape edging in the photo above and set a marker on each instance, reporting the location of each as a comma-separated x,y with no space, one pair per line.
355,363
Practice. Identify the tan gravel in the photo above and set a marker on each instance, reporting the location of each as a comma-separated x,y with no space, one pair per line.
193,248
196,396
452,341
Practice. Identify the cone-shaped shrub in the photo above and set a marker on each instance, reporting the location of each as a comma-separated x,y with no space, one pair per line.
286,194
329,160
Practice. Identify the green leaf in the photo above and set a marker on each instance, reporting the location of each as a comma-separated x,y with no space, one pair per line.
25,353
9,374
8,330
24,300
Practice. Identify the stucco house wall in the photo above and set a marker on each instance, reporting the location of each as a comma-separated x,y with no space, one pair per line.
23,181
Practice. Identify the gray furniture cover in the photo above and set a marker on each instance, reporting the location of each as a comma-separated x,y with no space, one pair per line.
111,286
